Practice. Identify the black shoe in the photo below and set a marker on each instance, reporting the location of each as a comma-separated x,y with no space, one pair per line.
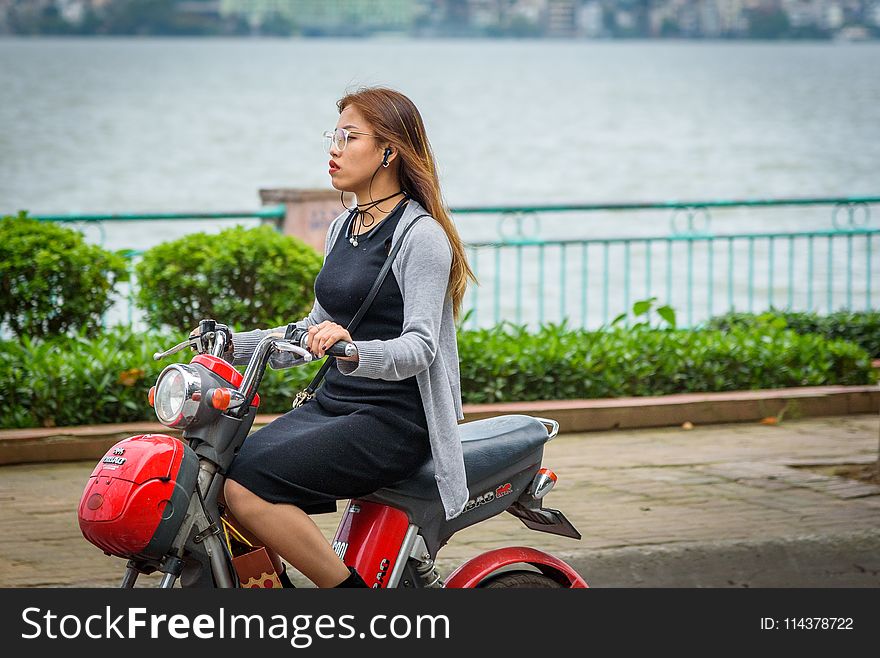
354,580
285,579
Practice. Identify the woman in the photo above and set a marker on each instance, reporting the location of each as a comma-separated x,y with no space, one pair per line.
379,414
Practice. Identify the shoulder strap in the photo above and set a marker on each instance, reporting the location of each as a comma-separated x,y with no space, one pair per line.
355,321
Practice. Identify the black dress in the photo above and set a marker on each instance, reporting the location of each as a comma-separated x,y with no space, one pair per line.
357,434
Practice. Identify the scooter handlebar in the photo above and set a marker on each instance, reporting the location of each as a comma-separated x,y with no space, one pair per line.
301,337
342,348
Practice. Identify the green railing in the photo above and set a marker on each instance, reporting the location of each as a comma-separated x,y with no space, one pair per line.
275,212
609,255
531,279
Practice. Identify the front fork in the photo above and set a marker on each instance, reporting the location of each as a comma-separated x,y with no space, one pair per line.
171,566
196,535
130,576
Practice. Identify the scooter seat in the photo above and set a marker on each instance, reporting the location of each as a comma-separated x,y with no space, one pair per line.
489,445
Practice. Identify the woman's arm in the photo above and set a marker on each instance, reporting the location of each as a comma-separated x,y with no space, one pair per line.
245,343
424,263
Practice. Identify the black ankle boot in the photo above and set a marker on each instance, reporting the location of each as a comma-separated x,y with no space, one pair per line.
353,580
285,579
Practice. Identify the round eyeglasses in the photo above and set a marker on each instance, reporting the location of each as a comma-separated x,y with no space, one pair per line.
339,138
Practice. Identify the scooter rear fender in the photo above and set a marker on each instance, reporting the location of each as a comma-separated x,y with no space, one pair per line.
474,571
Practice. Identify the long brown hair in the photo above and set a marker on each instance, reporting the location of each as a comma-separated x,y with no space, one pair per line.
395,119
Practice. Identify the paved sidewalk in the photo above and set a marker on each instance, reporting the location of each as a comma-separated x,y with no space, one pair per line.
720,505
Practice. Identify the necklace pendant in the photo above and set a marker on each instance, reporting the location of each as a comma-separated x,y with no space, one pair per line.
354,242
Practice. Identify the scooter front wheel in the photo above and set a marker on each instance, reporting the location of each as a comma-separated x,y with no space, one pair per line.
520,580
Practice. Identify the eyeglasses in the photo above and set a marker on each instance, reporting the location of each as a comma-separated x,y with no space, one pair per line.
339,138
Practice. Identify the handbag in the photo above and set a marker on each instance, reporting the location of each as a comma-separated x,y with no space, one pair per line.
309,391
254,567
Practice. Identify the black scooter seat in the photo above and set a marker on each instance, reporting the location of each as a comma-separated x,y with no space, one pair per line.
489,446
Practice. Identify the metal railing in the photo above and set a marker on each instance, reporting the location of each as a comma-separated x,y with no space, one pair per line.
700,272
615,255
275,212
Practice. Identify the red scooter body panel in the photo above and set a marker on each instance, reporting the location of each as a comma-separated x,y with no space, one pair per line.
472,572
369,538
128,492
144,457
220,367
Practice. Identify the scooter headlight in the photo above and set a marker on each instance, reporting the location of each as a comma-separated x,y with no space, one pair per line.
178,393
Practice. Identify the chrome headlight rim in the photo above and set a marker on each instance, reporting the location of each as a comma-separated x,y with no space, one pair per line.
192,385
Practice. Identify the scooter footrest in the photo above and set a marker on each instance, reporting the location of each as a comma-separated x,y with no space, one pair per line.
545,519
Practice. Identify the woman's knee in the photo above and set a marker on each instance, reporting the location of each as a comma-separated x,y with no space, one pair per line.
237,497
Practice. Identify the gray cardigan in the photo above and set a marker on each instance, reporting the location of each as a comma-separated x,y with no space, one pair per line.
427,347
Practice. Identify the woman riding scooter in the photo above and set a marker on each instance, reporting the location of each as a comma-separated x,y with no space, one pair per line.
383,411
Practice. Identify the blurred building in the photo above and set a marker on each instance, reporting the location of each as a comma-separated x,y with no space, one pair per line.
584,19
589,20
873,14
328,16
561,18
485,13
731,19
804,13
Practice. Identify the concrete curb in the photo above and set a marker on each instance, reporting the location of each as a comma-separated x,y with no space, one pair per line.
91,442
697,408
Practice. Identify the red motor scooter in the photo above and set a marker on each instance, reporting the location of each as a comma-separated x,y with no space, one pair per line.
153,499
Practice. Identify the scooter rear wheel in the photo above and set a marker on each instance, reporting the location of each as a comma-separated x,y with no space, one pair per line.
520,580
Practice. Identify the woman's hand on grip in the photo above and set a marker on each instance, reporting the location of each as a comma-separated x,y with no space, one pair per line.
324,335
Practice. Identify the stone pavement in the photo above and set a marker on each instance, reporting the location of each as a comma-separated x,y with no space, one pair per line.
718,505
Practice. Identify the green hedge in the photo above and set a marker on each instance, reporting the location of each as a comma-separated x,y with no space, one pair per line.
51,281
507,363
78,380
860,327
250,277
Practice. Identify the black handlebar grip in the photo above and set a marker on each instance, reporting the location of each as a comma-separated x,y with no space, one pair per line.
338,348
301,338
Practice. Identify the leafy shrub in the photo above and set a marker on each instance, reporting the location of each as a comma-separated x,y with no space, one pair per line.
507,363
80,380
246,278
859,327
51,281
77,380
642,310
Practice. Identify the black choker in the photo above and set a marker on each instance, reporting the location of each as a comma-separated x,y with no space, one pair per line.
358,213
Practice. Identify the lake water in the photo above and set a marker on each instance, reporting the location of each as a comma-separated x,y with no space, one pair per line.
140,125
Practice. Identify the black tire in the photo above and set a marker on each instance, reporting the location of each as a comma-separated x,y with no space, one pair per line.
520,580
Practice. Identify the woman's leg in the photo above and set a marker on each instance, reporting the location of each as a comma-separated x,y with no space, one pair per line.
289,531
251,537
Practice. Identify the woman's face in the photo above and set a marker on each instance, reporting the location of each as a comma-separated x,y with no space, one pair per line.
352,168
